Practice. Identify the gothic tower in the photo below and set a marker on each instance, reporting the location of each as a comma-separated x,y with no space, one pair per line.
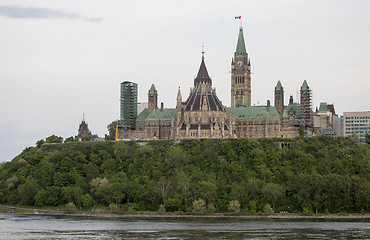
202,115
152,99
279,98
240,73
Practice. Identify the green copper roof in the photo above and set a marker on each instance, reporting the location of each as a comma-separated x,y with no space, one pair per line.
240,47
304,85
158,115
278,85
323,107
295,107
142,116
239,102
152,89
255,112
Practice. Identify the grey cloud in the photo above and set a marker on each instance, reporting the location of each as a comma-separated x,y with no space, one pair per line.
40,13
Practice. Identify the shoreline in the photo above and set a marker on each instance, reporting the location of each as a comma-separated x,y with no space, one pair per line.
212,216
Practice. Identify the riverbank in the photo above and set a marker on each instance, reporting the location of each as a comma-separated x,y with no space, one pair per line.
79,213
210,216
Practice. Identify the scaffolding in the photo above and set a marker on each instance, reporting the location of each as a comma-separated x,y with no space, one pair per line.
306,107
128,104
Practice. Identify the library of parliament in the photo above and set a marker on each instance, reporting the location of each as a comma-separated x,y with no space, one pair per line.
202,114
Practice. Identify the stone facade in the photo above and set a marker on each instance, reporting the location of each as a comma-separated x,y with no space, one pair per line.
202,114
240,74
83,131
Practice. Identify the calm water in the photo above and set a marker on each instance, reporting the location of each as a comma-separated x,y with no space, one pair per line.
49,227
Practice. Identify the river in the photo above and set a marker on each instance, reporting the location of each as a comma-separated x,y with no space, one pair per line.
14,226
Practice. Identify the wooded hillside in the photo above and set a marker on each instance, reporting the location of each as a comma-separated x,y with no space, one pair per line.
319,174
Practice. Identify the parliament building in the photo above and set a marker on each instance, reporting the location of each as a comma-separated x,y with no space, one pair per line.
202,114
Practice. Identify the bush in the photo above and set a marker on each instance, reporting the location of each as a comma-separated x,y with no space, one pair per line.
253,207
199,206
70,207
113,208
234,206
161,209
87,201
267,210
307,211
211,208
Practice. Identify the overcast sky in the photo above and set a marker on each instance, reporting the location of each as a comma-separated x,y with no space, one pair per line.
60,59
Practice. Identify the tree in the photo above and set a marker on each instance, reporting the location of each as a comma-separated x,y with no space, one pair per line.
54,139
355,137
199,206
163,187
234,206
85,139
73,194
100,190
301,131
41,198
208,191
27,191
40,142
183,182
70,207
70,139
112,130
272,192
87,201
116,191
267,210
367,138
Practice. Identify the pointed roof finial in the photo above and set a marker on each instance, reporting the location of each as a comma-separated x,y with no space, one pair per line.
83,116
152,89
278,85
304,85
179,97
241,50
202,76
203,51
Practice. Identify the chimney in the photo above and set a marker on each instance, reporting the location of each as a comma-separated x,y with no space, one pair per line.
291,99
268,105
162,105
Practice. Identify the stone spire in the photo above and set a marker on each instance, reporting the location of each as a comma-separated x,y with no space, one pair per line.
202,76
179,97
240,47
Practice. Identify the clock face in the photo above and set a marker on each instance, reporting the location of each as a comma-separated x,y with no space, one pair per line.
240,63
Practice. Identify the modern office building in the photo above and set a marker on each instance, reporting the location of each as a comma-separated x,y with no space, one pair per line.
356,123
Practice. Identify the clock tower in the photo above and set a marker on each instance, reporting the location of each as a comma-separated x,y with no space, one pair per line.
240,74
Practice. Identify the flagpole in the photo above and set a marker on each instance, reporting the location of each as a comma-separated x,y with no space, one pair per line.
240,18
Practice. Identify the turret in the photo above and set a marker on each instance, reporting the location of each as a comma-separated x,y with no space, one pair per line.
152,99
279,98
179,98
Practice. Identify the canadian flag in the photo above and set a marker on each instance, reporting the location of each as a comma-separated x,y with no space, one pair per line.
238,17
